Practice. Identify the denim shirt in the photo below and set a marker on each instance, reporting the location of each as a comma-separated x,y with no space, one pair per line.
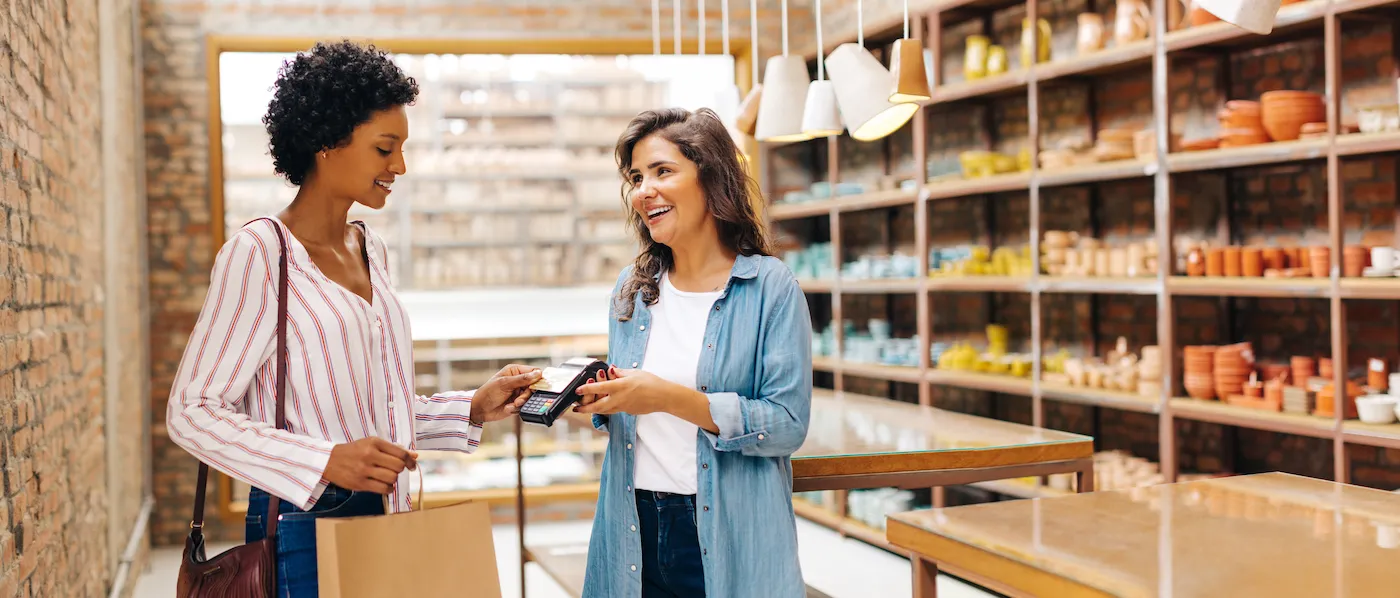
756,369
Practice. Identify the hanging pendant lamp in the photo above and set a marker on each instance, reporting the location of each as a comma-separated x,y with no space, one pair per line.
907,65
747,120
820,117
785,83
862,90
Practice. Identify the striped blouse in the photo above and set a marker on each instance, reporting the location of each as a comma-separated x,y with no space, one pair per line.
350,376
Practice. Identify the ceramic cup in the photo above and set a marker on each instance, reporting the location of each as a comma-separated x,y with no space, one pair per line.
1383,258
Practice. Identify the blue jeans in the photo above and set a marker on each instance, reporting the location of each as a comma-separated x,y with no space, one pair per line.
296,533
671,563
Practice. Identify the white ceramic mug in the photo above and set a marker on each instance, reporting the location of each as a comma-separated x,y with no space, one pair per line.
1256,16
1394,385
1383,258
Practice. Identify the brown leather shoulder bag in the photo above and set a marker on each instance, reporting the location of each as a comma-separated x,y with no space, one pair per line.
250,570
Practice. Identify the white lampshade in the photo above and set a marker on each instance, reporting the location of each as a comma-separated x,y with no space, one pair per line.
862,91
821,117
784,94
1255,16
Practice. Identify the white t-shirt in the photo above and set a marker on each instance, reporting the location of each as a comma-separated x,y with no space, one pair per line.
666,443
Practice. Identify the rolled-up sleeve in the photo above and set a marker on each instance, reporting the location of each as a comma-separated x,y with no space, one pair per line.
443,422
774,423
232,339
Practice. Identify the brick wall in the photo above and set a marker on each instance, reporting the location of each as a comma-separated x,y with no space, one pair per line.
61,524
176,101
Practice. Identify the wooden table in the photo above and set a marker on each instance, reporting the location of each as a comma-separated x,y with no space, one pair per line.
856,441
1274,535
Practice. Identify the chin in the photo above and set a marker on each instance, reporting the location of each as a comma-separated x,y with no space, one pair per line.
373,203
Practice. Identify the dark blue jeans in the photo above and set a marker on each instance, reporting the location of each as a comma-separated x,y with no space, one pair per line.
296,533
671,564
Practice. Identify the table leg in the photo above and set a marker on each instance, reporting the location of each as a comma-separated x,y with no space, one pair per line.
1086,477
925,577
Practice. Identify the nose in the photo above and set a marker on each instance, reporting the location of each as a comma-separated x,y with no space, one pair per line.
398,166
644,190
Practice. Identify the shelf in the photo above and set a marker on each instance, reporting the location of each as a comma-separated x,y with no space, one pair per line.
806,209
1371,288
496,497
1346,6
988,284
1100,285
1221,34
1382,435
1095,173
825,364
990,86
892,198
1252,155
975,381
816,286
1225,414
876,287
1093,63
955,188
1098,397
1367,143
845,526
1208,286
893,373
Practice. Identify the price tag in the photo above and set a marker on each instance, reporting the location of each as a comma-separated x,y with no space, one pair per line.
1377,365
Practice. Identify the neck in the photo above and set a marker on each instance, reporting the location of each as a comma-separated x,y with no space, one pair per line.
316,216
703,256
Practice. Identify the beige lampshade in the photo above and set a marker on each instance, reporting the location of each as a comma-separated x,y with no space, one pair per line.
862,92
784,94
907,67
1255,16
821,117
747,120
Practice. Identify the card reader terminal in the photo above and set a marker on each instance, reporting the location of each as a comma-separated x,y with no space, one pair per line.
555,392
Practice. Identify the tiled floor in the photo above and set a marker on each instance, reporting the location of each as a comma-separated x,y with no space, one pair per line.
829,563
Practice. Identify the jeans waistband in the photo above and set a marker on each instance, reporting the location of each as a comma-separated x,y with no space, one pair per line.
663,497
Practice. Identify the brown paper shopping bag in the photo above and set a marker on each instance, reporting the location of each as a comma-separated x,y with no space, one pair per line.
444,551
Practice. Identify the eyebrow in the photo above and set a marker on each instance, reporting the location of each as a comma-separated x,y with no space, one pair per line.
390,135
652,165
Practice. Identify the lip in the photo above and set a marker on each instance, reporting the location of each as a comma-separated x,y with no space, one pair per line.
654,219
381,185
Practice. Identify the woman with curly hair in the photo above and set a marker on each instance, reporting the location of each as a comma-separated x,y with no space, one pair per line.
350,423
696,492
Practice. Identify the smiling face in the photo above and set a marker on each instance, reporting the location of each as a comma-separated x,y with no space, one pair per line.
365,168
666,192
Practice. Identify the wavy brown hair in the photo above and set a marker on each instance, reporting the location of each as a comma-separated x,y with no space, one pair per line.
730,194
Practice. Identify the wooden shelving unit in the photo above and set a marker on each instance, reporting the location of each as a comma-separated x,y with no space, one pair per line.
1313,21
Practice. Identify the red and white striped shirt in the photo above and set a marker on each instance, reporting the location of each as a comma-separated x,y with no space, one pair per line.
350,375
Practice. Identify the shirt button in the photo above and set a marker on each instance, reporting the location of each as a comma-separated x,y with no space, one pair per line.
378,323
705,466
711,345
634,567
634,528
704,388
760,437
629,446
716,307
707,509
634,365
642,327
629,488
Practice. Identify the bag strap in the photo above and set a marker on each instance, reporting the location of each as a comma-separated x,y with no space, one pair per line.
197,525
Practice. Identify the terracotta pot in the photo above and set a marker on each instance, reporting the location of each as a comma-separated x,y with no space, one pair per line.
1285,112
1215,262
1233,267
1324,367
1201,16
1252,262
1354,260
1274,371
1195,262
1274,259
1319,259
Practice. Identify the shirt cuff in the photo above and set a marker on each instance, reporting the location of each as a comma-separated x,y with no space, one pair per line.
726,408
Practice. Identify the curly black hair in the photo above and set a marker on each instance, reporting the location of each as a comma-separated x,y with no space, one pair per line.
322,95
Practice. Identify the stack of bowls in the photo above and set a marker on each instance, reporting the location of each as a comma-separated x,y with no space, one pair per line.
1200,372
1285,112
1303,368
1241,124
1233,365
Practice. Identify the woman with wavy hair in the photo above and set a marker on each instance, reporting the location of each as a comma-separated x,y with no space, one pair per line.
714,390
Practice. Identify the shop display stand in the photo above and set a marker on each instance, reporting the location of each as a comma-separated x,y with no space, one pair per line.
1162,47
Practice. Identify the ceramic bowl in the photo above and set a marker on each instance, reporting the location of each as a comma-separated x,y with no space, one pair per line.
1377,409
